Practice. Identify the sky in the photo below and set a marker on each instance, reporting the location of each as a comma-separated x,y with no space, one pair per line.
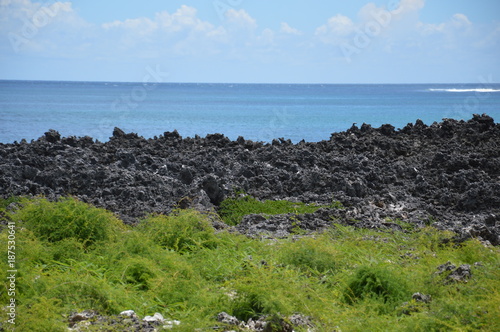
251,41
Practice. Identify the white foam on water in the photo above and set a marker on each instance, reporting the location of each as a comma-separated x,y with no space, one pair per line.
466,90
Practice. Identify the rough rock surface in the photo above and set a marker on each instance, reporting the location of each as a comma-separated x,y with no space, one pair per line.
262,324
447,173
457,274
126,321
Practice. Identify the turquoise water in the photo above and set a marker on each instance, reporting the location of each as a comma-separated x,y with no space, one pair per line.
255,111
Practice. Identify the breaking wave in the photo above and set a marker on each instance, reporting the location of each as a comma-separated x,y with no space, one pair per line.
466,90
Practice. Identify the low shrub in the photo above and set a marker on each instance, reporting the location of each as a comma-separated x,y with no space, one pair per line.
375,282
347,279
67,218
137,271
263,291
185,230
66,250
310,255
225,262
42,315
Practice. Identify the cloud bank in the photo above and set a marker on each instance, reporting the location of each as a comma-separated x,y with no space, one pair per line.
55,30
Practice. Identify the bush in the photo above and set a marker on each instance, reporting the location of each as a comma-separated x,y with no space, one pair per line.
185,230
43,315
346,279
67,218
261,293
137,272
310,255
67,250
250,305
375,282
83,290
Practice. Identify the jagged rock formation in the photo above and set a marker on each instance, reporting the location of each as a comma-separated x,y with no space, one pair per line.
448,173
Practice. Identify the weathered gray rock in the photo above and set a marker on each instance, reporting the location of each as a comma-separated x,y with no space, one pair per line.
157,317
448,266
419,297
447,174
128,313
261,324
456,274
225,318
126,321
461,274
77,317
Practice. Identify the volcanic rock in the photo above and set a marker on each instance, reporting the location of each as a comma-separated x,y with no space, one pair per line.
446,174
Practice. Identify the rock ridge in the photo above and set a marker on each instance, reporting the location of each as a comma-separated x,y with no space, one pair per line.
447,173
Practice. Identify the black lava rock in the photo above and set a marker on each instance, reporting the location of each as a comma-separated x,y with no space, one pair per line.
446,174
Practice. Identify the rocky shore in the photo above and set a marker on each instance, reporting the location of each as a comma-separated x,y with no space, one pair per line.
446,174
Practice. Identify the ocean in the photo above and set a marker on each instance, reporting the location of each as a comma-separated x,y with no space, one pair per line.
262,112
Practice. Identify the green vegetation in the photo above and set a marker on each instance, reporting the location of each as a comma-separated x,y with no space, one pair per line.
67,219
182,231
232,210
71,256
377,282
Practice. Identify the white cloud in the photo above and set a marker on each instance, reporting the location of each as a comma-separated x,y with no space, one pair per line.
456,22
181,32
41,27
429,28
240,19
185,18
367,11
393,31
460,20
287,29
267,37
142,26
63,6
338,25
457,33
386,24
220,34
182,35
394,11
371,18
336,30
407,6
38,14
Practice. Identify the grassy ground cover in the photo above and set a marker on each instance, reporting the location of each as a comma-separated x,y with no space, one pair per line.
233,209
71,256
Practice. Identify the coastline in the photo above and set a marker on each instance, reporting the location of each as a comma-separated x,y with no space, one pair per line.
445,174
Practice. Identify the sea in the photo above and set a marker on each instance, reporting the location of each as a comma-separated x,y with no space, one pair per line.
260,112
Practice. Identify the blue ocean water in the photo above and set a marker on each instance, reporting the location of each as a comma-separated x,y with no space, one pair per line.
255,111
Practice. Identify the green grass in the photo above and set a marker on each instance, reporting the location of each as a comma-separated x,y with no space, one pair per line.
67,219
233,209
345,278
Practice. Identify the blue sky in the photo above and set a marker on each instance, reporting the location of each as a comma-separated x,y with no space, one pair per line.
251,41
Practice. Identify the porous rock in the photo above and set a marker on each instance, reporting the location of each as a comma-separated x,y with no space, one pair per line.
126,321
456,274
419,297
446,174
